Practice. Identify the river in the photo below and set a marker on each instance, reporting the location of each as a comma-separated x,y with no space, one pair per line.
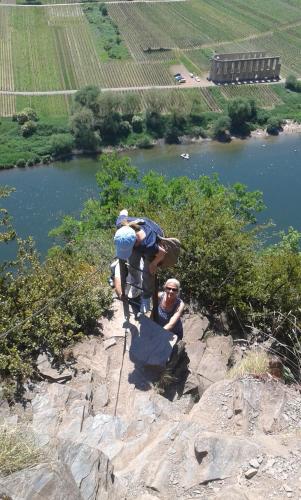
44,194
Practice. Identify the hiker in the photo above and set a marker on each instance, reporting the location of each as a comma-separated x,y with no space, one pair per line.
131,291
170,308
136,238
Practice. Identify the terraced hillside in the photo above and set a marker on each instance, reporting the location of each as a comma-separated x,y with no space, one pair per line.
55,47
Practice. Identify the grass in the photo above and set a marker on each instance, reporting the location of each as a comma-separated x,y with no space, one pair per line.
13,146
254,363
18,450
105,33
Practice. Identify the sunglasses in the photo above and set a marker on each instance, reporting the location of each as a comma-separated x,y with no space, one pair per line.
171,289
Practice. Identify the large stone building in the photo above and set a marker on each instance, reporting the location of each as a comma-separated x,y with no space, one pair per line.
244,66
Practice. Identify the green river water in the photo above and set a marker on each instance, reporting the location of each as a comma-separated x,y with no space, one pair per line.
44,194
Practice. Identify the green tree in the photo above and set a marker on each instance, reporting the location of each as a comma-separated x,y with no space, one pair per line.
221,127
274,125
241,112
61,144
88,97
82,125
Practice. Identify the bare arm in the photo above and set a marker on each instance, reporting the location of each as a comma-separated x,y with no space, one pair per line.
169,326
158,258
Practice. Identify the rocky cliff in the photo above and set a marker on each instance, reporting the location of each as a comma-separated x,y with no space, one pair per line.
109,434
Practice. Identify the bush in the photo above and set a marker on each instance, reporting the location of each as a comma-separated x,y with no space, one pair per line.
221,127
292,83
46,159
274,125
30,162
254,363
27,114
61,144
84,297
137,124
18,450
145,143
21,163
28,128
125,128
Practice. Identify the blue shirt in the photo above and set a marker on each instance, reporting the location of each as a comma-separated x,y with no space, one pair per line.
149,245
164,317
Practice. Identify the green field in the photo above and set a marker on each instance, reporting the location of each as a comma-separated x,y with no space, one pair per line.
62,47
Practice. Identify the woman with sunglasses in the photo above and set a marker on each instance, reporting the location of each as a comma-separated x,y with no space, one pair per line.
171,308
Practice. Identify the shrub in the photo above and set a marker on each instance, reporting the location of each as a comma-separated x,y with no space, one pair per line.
137,124
18,450
61,144
30,162
75,295
28,128
254,362
274,125
125,128
21,163
145,143
293,84
27,114
46,159
221,128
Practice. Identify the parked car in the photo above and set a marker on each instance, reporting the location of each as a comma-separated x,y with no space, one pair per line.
197,79
182,80
191,75
178,78
177,74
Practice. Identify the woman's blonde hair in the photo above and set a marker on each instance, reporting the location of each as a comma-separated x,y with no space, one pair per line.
174,282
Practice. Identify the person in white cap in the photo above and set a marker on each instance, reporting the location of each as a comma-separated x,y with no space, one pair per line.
136,238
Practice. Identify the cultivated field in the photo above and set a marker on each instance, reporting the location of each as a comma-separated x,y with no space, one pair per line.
264,95
56,48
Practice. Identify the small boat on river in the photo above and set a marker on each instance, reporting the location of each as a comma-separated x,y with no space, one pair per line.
185,156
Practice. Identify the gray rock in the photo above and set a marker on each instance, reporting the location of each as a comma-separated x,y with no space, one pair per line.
91,469
51,373
100,397
214,363
250,473
195,326
51,481
254,463
109,343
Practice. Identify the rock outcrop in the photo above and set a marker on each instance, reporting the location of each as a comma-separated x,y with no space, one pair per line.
110,435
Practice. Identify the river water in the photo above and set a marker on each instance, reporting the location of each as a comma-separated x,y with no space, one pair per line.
44,194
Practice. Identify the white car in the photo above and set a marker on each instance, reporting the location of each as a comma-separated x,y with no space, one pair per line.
191,75
197,79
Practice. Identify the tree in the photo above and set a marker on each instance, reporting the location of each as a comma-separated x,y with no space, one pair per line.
137,124
7,233
82,127
274,125
61,144
155,123
291,82
88,97
221,127
130,105
241,111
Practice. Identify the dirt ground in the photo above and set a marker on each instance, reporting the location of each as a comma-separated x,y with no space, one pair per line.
190,81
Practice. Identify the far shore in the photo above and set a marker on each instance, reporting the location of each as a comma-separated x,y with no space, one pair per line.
290,127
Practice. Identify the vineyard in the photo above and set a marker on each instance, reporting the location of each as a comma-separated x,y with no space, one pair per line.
7,105
56,47
264,95
45,106
167,100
